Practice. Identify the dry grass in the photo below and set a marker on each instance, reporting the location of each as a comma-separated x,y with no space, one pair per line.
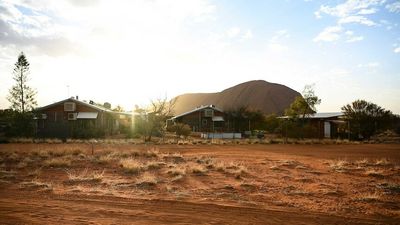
198,170
175,157
369,197
44,154
58,162
249,186
374,173
7,174
131,165
14,157
147,180
85,176
390,188
176,171
37,185
362,162
22,165
152,165
35,172
235,168
340,165
105,159
382,162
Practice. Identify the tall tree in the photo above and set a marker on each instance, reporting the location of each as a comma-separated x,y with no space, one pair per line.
304,105
366,118
21,96
152,121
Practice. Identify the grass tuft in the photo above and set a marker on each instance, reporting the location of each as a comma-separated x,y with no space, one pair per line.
130,165
340,165
198,170
369,197
58,162
147,180
37,185
85,176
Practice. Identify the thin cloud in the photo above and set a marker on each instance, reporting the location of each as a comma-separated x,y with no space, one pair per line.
329,34
275,43
357,19
349,12
394,7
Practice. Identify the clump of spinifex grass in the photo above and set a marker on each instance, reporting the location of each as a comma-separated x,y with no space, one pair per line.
382,162
198,170
147,180
85,176
340,165
369,197
37,185
58,162
131,165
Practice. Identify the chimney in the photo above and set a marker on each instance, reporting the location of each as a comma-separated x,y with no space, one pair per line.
77,97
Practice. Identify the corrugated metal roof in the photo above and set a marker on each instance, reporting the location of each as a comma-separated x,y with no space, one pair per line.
87,115
323,115
326,115
96,107
197,109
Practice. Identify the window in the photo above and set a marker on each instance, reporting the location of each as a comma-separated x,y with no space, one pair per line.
208,113
204,122
69,106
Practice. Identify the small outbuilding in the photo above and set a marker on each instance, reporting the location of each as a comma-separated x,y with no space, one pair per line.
326,124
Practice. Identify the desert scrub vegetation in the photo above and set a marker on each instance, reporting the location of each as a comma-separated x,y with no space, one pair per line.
13,157
369,197
198,169
177,173
85,176
174,157
58,162
147,180
382,162
389,188
37,185
340,165
154,165
375,173
235,168
131,165
7,174
206,160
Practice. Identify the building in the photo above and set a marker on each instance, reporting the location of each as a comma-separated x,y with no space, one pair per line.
326,125
207,118
72,118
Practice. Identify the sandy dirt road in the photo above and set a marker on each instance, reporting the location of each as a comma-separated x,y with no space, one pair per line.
90,210
284,184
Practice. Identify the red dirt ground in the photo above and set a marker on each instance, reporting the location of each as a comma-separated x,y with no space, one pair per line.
240,184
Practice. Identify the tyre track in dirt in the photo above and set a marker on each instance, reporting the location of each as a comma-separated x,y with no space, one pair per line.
77,209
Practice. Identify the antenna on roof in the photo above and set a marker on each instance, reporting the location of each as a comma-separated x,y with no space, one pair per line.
68,90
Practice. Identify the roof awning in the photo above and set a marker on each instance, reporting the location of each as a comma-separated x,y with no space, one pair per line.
87,115
217,118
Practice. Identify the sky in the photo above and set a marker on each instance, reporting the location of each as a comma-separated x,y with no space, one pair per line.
129,52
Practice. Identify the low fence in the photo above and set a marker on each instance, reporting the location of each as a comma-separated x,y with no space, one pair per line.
221,135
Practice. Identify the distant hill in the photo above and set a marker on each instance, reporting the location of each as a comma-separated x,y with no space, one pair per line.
257,95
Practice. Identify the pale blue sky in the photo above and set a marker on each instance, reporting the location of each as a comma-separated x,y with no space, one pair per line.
128,52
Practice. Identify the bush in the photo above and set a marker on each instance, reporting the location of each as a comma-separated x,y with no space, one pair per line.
181,129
